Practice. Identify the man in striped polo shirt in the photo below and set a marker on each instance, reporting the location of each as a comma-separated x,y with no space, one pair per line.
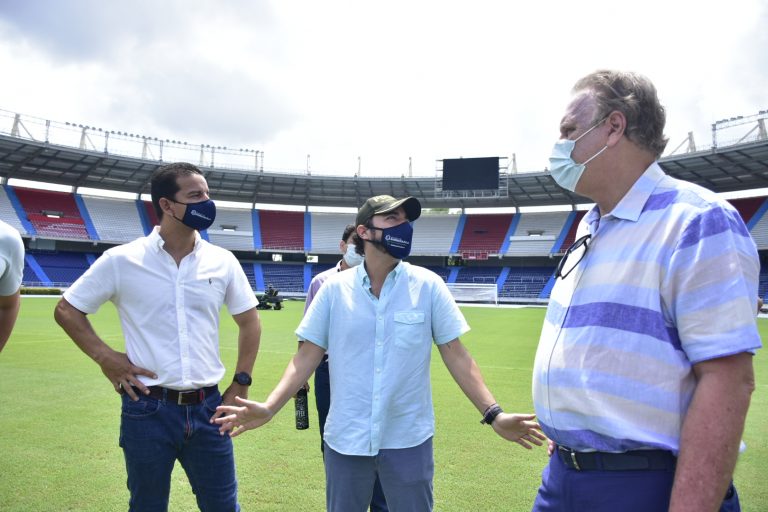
643,374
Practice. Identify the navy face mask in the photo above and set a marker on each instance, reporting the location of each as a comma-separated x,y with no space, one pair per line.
200,215
396,240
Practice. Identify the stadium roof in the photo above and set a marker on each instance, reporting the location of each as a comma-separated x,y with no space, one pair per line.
736,167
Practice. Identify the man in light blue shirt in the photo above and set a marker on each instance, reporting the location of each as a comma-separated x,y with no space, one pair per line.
378,322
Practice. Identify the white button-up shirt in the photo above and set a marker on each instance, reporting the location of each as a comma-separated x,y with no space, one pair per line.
169,313
379,352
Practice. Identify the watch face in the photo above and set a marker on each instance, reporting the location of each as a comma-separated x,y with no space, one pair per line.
243,379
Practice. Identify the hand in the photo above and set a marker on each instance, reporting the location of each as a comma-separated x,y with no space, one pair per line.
123,374
304,387
228,397
248,416
519,428
551,447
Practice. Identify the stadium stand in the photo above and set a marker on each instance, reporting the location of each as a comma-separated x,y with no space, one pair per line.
484,233
115,220
327,229
232,229
478,275
62,267
53,214
316,269
284,277
250,273
8,212
570,234
443,272
526,282
747,207
282,231
536,234
433,234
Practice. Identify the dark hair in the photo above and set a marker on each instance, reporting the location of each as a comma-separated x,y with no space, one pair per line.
164,182
633,95
359,243
347,231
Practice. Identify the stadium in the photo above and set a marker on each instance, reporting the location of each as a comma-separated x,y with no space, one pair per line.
73,191
515,251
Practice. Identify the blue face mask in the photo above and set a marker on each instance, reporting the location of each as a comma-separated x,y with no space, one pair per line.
200,215
396,240
564,170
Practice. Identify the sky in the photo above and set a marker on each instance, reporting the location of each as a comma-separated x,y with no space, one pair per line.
383,87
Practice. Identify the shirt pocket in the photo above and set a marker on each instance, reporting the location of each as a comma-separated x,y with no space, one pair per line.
410,328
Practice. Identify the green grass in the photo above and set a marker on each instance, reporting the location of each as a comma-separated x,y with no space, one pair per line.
59,421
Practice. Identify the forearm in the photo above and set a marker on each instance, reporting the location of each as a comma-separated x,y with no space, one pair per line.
710,437
9,311
79,329
466,373
248,341
296,375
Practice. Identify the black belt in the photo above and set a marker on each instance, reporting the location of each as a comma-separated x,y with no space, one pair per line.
190,397
636,460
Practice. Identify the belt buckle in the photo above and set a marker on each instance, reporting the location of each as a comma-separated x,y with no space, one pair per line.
182,398
573,457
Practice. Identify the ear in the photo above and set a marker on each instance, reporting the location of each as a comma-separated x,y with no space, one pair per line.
341,246
362,230
165,206
617,125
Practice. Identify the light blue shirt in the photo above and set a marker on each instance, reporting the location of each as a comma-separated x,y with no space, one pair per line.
379,354
669,280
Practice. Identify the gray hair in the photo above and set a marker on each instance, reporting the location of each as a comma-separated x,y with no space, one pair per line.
633,95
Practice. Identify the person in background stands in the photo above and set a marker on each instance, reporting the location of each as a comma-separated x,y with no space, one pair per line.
643,373
168,288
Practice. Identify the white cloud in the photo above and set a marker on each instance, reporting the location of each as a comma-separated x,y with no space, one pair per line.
384,82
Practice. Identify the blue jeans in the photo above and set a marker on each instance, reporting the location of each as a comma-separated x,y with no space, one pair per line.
155,433
405,474
568,490
323,402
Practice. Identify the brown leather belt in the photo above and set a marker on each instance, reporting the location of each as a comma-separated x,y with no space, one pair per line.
189,397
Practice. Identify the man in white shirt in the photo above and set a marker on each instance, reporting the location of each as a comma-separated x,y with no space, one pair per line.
378,322
168,288
11,271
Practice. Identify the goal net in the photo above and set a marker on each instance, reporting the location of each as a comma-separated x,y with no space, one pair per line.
474,292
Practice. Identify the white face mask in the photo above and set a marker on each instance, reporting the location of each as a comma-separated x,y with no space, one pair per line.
564,170
351,257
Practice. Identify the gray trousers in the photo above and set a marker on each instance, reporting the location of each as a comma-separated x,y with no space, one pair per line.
405,475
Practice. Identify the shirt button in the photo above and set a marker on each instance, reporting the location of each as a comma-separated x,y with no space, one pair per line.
378,370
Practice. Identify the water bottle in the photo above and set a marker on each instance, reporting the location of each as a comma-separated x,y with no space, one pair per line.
302,410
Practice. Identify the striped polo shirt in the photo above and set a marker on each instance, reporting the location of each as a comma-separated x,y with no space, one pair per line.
669,279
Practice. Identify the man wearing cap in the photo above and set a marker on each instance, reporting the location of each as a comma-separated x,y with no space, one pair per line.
378,322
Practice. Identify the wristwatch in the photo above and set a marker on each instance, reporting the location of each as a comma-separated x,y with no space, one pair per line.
243,378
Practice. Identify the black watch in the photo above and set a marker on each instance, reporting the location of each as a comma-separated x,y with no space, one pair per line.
243,378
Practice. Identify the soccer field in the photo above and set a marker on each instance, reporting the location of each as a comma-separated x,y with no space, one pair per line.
59,421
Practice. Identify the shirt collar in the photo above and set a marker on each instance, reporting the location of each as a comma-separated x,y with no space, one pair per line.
631,205
156,242
362,273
